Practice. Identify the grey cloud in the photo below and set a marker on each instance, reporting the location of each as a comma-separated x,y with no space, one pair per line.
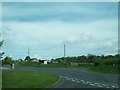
77,39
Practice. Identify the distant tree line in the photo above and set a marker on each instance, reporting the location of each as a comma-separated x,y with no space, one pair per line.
96,60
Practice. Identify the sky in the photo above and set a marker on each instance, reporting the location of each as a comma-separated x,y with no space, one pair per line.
44,27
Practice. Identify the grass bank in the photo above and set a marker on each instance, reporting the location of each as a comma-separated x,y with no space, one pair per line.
27,79
105,69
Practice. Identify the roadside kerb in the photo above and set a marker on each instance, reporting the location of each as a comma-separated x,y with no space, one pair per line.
55,84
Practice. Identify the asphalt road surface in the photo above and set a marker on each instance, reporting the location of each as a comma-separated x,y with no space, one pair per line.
79,77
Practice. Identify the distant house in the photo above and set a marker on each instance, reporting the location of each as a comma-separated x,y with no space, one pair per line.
34,60
43,62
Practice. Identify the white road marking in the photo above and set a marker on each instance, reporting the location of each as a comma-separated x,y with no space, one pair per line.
96,83
78,81
107,87
99,86
104,85
117,87
68,79
73,80
85,83
82,80
92,84
113,86
89,83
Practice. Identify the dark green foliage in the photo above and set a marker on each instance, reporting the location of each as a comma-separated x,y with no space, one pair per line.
1,53
110,60
27,58
8,60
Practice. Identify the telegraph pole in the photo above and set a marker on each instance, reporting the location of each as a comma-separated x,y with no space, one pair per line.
28,51
64,51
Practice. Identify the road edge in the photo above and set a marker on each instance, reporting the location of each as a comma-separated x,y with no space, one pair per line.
55,84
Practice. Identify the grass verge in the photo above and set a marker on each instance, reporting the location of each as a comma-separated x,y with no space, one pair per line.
105,69
27,79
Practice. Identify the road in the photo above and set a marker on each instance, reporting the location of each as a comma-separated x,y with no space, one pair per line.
79,77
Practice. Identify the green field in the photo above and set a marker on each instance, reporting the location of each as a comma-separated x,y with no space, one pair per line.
27,79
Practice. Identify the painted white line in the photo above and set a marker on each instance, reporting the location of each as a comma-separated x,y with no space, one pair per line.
104,85
113,86
73,80
96,83
85,83
92,84
88,82
99,86
68,79
82,80
78,81
117,87
107,87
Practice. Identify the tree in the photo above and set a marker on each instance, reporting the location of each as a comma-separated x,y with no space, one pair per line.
27,58
1,53
7,60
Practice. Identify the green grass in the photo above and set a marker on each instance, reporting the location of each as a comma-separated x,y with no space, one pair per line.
105,69
27,79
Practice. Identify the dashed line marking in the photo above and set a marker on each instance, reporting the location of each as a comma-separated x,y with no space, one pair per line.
104,85
107,87
89,83
113,86
92,84
68,79
85,82
96,83
99,86
78,81
73,80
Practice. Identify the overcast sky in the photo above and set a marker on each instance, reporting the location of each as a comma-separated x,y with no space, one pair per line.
84,27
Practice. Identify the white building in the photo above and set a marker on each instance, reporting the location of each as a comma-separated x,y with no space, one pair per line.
45,62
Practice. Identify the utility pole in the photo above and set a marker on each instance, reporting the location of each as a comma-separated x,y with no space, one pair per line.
65,54
28,51
64,50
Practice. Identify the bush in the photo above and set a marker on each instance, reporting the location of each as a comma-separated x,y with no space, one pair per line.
109,62
7,60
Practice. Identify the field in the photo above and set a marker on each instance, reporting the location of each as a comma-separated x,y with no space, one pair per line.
27,79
